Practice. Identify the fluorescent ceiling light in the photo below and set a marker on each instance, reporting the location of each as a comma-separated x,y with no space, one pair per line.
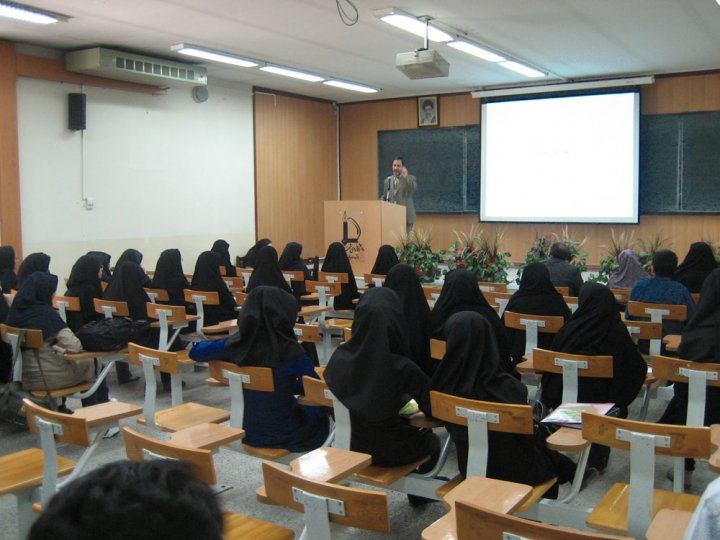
352,86
215,56
475,50
522,69
412,24
295,74
563,87
19,12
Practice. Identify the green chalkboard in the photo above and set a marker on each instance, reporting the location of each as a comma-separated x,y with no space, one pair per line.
445,161
680,163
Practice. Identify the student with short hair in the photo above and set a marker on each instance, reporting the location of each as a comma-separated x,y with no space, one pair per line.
562,272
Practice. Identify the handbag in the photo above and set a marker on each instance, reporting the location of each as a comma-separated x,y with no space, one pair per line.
106,335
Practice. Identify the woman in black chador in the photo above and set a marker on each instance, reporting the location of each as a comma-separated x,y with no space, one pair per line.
207,278
84,283
698,263
267,271
385,260
222,248
291,260
336,260
169,276
35,262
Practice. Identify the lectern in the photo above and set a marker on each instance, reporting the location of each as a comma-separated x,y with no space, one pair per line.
362,227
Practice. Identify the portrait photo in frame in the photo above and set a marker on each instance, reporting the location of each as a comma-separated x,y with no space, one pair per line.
428,113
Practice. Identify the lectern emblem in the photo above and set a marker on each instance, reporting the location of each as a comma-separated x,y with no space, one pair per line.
351,233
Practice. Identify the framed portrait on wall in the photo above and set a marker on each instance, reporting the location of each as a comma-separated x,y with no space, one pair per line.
428,111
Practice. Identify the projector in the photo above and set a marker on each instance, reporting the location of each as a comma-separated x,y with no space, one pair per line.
422,64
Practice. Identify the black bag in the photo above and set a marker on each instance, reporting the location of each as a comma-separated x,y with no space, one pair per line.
108,335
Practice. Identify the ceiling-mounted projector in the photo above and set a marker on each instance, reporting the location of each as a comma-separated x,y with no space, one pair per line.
422,64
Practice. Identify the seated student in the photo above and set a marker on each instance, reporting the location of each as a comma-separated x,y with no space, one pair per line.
471,369
562,273
207,278
596,329
630,271
8,279
460,292
222,248
373,376
127,500
705,524
84,283
35,262
385,260
336,260
133,256
661,289
249,260
127,286
404,281
700,343
266,271
5,349
266,338
169,276
291,260
536,296
46,369
698,264
104,260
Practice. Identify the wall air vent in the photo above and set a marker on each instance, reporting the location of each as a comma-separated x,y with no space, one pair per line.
134,68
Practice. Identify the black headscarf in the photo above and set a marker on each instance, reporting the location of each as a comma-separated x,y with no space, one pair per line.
291,260
367,373
8,279
471,367
536,296
169,276
207,278
127,286
84,284
265,329
460,292
700,343
336,260
698,263
133,256
250,257
595,329
35,262
104,260
267,272
404,281
385,260
32,306
222,248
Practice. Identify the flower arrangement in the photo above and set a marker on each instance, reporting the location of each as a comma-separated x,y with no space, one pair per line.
481,255
416,251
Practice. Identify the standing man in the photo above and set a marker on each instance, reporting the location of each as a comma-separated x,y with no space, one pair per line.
399,188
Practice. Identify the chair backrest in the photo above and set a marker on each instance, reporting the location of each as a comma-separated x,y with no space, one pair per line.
573,302
489,286
646,330
240,297
323,502
234,282
162,361
532,324
622,295
111,308
572,366
697,375
347,334
200,298
481,417
474,521
246,273
318,393
223,270
431,293
657,312
20,338
498,300
307,333
152,360
326,291
333,277
293,275
565,291
238,378
171,314
645,440
437,349
374,279
64,304
140,447
157,295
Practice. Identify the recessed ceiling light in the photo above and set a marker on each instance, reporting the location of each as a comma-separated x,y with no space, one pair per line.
475,50
522,69
412,24
295,74
351,86
210,54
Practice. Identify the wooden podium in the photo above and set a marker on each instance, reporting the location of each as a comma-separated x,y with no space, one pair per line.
362,227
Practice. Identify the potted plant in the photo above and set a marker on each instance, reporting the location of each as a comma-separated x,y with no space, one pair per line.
477,253
648,247
416,251
609,263
541,248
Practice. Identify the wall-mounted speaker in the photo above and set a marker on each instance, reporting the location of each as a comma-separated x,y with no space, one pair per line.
76,112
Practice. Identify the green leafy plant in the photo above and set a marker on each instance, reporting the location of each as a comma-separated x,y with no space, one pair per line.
648,247
481,255
541,248
416,251
609,263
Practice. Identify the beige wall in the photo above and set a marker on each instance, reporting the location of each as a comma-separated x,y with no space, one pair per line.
359,124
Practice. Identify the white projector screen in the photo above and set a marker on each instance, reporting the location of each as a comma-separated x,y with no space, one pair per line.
561,159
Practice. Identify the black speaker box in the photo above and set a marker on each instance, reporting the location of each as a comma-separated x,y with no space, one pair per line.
76,111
